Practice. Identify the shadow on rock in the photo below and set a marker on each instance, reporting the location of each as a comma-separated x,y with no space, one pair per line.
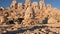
23,30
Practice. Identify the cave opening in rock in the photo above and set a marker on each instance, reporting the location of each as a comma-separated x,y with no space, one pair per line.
1,9
10,22
45,21
20,20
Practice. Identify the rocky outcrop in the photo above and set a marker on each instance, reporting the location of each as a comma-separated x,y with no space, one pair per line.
30,17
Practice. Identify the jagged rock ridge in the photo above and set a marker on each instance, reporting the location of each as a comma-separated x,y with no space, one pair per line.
29,14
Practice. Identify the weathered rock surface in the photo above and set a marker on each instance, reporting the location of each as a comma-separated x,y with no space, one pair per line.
29,18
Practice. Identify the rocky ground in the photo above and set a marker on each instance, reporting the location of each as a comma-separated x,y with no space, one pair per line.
32,29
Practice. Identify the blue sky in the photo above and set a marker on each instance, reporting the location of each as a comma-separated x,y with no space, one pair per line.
54,3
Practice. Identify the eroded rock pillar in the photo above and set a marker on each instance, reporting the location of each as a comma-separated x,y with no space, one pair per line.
28,18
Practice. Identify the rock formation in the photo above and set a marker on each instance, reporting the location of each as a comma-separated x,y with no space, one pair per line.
30,17
13,4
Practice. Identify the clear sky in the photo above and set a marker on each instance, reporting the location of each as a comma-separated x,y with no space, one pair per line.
54,3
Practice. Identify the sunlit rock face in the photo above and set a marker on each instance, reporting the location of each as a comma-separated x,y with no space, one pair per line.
30,10
13,4
28,18
31,16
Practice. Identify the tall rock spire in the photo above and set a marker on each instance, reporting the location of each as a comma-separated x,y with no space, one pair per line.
20,6
28,18
42,0
49,6
13,4
27,3
42,4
